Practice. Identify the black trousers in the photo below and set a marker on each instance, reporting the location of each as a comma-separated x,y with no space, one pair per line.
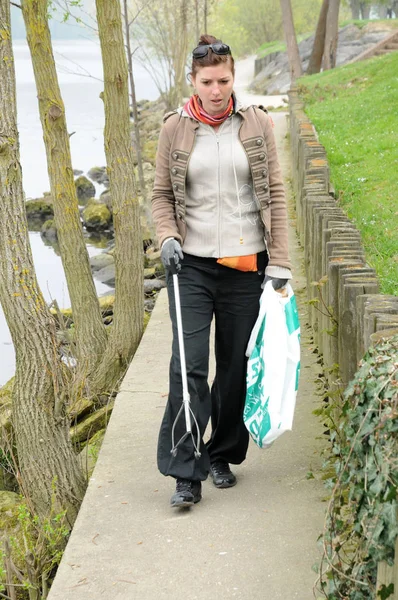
232,296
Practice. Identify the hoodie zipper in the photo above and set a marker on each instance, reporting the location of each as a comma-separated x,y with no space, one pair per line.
219,192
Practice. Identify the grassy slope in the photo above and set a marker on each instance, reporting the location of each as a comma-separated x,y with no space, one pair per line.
355,111
277,46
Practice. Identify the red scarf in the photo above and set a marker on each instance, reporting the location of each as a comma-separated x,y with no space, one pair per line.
195,110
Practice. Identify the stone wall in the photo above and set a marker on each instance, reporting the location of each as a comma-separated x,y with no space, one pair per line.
346,307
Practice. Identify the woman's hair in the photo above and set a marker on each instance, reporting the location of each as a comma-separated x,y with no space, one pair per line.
211,59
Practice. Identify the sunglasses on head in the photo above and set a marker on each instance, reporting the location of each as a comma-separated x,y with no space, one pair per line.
217,48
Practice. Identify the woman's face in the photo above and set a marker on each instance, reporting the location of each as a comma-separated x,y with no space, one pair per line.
214,87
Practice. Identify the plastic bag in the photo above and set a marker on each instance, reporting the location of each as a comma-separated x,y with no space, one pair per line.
273,367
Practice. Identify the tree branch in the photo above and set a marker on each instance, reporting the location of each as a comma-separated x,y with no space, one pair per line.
16,5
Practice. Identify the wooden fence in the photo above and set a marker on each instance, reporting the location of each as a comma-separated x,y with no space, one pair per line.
347,311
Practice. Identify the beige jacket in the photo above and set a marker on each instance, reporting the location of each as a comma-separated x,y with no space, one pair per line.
176,142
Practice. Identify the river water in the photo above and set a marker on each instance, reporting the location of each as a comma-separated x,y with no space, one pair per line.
79,70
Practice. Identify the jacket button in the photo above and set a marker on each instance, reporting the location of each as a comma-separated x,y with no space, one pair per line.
264,173
175,186
262,156
174,171
259,142
265,186
175,155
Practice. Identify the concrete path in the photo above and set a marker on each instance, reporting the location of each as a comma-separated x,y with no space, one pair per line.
256,541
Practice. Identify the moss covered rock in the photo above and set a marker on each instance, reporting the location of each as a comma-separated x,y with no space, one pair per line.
80,408
149,151
99,175
90,452
49,230
85,430
99,261
85,189
6,404
9,508
96,216
39,209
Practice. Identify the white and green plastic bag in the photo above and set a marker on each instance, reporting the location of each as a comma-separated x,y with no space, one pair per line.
273,367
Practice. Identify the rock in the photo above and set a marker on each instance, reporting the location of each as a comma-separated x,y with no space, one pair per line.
106,275
273,70
152,256
101,260
84,189
9,510
49,231
106,303
84,430
39,209
149,272
149,304
6,404
96,216
106,198
99,175
149,151
80,408
153,285
89,454
146,227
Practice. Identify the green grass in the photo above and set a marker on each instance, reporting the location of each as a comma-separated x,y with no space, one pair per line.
355,111
361,23
277,46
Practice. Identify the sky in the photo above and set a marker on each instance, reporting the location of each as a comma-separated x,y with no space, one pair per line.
59,30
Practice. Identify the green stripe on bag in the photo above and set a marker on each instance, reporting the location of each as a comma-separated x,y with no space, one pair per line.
291,315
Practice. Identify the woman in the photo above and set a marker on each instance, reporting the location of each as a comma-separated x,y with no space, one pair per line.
220,213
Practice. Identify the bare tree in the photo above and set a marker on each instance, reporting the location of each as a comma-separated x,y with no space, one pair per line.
319,41
197,30
46,460
163,32
291,41
331,35
90,331
129,52
129,302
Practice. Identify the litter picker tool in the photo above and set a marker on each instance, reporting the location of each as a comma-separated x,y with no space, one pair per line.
190,419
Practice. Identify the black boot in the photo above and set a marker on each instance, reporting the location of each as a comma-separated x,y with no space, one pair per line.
222,474
187,493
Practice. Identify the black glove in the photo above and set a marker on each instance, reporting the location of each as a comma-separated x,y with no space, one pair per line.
171,254
277,284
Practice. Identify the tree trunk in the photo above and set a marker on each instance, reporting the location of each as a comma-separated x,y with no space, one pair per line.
90,331
181,57
315,63
382,11
46,461
365,10
355,9
291,41
205,14
134,102
128,316
197,32
331,36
